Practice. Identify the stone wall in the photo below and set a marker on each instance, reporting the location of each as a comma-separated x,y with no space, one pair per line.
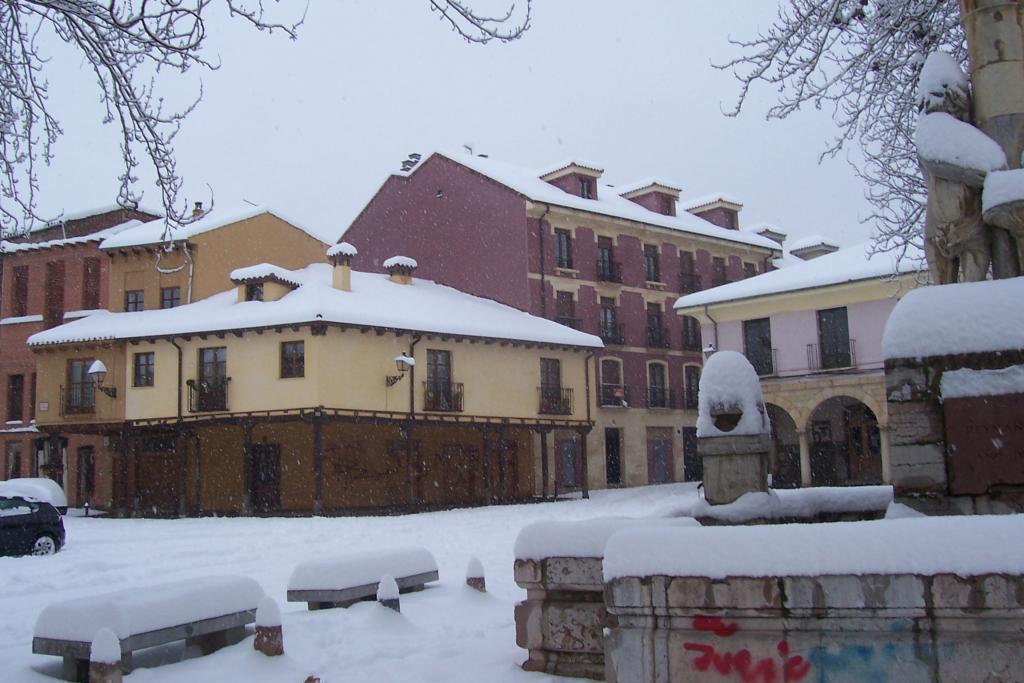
561,621
833,629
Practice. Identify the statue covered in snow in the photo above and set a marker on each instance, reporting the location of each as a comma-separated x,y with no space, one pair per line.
955,158
732,428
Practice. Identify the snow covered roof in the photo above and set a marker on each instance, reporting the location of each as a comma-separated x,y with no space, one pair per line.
635,188
153,231
528,183
79,214
374,301
98,236
342,249
566,166
810,241
709,199
970,317
846,265
264,271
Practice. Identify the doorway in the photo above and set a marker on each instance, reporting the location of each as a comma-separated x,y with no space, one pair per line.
659,455
613,455
266,474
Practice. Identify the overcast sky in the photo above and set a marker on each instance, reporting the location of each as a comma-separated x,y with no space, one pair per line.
312,127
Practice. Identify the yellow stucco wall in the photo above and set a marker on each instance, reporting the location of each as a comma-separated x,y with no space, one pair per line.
52,368
262,238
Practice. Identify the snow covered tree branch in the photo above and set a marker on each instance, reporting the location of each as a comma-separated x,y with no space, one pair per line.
128,45
861,59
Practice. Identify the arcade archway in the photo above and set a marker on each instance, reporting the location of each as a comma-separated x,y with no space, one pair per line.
845,443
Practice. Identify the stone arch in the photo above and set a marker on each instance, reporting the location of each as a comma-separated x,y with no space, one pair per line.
845,441
784,458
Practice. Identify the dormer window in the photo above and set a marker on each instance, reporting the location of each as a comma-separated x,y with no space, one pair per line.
254,291
586,188
263,282
575,178
653,195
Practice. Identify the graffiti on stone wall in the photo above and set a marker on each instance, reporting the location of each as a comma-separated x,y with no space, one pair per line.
740,664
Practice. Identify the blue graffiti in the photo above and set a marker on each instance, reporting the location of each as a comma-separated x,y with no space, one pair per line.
860,663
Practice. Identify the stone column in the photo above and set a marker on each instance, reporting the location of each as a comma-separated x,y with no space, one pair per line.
805,458
883,442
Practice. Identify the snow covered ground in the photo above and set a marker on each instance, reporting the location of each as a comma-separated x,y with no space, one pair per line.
445,633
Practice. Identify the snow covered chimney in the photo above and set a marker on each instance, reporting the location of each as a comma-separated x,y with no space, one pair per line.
197,209
400,269
340,256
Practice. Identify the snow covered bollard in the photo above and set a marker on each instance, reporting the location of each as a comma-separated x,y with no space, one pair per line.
105,657
475,575
269,636
387,593
732,428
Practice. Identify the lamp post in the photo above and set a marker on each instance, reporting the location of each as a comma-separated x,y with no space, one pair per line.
402,364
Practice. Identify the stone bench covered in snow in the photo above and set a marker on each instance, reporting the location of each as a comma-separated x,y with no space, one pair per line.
207,612
345,580
561,621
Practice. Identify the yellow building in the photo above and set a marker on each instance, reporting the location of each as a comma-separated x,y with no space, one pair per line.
813,331
320,390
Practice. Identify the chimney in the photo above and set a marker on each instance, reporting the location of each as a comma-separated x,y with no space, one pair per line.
340,256
400,269
197,210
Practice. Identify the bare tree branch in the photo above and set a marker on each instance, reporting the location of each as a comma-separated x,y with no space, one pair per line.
860,59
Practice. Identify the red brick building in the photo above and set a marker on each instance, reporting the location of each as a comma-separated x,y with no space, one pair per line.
53,274
607,260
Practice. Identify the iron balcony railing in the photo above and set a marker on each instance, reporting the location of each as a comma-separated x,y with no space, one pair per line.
574,323
208,395
443,397
614,396
609,271
612,333
555,400
691,338
657,337
661,397
766,362
832,357
689,283
690,400
78,398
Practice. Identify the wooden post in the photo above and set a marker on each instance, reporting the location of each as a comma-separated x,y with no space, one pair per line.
198,473
554,461
409,479
247,468
136,500
485,469
122,473
543,464
585,469
318,463
181,440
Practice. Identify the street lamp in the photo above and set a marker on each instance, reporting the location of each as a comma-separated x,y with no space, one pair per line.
402,363
97,373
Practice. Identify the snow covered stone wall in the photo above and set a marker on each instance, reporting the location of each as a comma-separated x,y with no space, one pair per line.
936,600
732,428
955,397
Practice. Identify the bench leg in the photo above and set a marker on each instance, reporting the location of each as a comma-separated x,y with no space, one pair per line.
75,669
211,642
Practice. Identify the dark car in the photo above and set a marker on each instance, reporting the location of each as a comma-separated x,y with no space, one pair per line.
29,527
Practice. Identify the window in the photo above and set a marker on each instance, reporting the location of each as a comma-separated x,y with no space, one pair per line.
565,309
689,281
134,300
80,392
211,391
657,393
652,269
610,332
170,297
554,400
613,392
254,291
86,473
90,283
656,335
293,359
15,398
440,393
563,249
757,345
607,268
19,297
691,333
53,294
691,379
586,188
142,374
12,460
749,269
835,345
717,271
